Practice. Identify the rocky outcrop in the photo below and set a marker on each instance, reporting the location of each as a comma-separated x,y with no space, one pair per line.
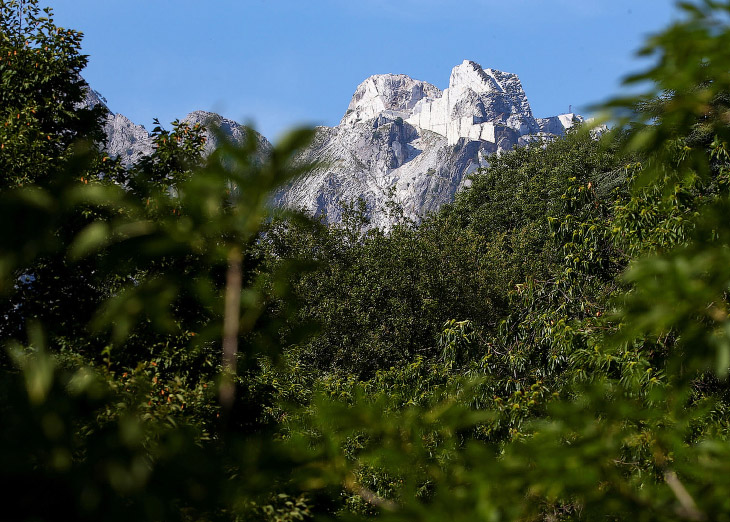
232,130
130,142
393,94
557,125
479,104
404,141
401,142
125,140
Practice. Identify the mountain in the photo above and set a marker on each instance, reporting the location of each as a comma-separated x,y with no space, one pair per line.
401,141
130,142
406,141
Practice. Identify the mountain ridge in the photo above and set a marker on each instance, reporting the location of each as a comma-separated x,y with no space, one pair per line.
400,140
405,141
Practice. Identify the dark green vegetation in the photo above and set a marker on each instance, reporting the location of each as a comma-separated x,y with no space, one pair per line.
554,345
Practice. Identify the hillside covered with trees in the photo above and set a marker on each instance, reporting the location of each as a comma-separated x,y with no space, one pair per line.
553,345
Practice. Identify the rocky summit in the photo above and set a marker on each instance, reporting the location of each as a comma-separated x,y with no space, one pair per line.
405,141
401,141
129,142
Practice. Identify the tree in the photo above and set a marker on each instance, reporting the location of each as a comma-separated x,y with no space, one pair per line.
112,285
42,95
601,396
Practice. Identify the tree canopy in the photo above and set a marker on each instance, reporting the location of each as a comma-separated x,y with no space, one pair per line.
553,345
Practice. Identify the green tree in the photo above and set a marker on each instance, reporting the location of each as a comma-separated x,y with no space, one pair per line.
42,95
492,363
116,287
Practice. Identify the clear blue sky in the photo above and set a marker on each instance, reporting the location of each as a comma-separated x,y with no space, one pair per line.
277,63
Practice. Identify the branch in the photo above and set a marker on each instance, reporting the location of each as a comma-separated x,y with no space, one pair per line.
368,496
689,508
231,317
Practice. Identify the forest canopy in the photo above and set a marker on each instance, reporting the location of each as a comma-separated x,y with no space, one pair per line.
553,345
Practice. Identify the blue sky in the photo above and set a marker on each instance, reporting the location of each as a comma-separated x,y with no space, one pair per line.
279,63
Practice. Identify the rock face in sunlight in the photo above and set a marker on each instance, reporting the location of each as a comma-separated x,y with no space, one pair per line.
479,104
230,128
130,142
406,141
125,140
401,141
394,94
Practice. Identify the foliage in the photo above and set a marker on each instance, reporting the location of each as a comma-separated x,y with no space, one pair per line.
40,93
380,299
554,345
114,283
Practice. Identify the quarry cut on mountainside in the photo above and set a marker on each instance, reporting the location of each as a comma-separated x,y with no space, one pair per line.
401,141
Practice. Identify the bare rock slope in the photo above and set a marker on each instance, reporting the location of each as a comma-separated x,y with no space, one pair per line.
130,142
405,141
401,141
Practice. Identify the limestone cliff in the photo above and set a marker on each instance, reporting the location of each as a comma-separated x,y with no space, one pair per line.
407,142
401,141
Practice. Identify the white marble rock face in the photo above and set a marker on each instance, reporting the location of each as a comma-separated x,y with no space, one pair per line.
400,141
474,103
406,141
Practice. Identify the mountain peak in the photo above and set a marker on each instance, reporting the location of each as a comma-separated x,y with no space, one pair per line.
396,93
401,140
470,75
479,104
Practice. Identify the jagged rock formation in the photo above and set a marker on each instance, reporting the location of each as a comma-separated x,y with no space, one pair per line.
130,142
479,104
407,142
392,94
233,130
125,140
556,125
401,141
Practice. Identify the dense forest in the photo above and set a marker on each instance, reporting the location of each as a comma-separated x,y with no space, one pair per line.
553,345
